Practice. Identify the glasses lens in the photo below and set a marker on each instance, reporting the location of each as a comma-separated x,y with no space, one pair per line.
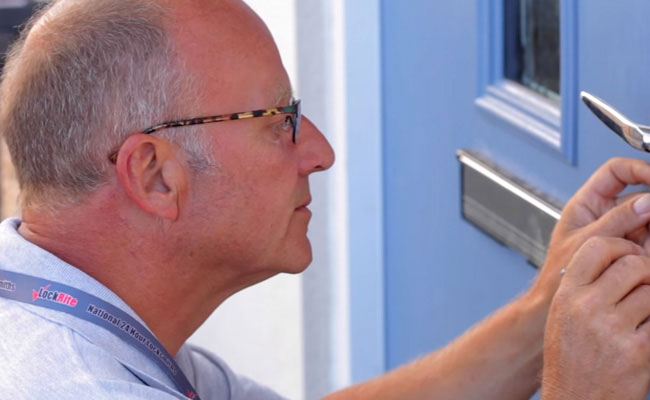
296,122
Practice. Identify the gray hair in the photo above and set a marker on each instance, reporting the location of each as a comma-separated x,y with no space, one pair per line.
81,78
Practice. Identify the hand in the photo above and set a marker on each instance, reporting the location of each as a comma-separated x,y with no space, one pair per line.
596,344
596,210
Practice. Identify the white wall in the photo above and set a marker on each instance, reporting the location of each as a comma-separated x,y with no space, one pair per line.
259,331
322,77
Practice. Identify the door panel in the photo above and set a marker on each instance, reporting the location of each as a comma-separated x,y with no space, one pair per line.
442,273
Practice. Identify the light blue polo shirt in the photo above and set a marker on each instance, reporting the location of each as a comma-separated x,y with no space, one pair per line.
49,354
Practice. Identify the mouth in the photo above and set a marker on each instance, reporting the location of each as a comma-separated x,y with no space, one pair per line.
304,204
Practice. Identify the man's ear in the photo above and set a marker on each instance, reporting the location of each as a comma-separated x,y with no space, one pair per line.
151,175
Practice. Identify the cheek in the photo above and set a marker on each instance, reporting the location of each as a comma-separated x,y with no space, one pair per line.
258,192
269,192
259,212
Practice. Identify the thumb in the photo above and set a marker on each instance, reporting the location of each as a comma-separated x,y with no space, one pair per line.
625,218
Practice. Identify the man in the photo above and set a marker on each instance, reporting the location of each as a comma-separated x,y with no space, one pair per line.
131,236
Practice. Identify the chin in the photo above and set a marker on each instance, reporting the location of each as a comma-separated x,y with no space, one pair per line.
297,260
298,265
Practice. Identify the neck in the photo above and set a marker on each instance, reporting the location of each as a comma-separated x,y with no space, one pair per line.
173,295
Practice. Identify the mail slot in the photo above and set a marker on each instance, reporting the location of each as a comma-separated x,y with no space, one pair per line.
506,208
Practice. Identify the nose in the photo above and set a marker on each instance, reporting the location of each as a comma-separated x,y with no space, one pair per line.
316,154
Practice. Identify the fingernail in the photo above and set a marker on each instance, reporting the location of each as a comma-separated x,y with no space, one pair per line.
642,204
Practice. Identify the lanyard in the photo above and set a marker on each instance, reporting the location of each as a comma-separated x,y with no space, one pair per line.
56,296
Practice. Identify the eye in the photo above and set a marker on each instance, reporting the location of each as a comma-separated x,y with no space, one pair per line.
288,124
283,128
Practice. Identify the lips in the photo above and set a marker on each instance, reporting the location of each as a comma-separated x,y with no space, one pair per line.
304,204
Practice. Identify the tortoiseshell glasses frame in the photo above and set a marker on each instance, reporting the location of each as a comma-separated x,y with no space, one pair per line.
293,109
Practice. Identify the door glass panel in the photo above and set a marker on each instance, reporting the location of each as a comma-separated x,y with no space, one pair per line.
532,48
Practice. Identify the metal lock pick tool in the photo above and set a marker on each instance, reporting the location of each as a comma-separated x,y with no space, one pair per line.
637,136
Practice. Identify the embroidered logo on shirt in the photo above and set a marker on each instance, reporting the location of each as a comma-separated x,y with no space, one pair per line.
54,296
8,286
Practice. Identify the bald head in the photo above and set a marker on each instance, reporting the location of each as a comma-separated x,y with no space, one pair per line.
215,40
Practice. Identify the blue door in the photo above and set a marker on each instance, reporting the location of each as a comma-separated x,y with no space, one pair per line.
457,75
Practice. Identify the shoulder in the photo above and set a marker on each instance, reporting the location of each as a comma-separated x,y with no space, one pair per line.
207,367
40,357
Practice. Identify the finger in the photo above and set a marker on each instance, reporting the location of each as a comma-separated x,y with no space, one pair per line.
620,279
594,256
624,218
645,243
608,181
638,236
635,307
625,197
644,329
613,176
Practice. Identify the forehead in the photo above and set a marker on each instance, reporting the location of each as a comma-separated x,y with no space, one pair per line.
231,52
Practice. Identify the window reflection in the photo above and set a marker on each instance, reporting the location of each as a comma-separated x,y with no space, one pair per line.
531,44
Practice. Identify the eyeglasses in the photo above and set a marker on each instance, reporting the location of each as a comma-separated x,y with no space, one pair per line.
293,109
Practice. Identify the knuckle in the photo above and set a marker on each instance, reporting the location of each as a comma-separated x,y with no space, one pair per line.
644,291
618,272
628,262
645,260
595,243
643,338
629,267
636,348
614,161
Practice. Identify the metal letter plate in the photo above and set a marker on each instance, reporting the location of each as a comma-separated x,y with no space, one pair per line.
506,208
